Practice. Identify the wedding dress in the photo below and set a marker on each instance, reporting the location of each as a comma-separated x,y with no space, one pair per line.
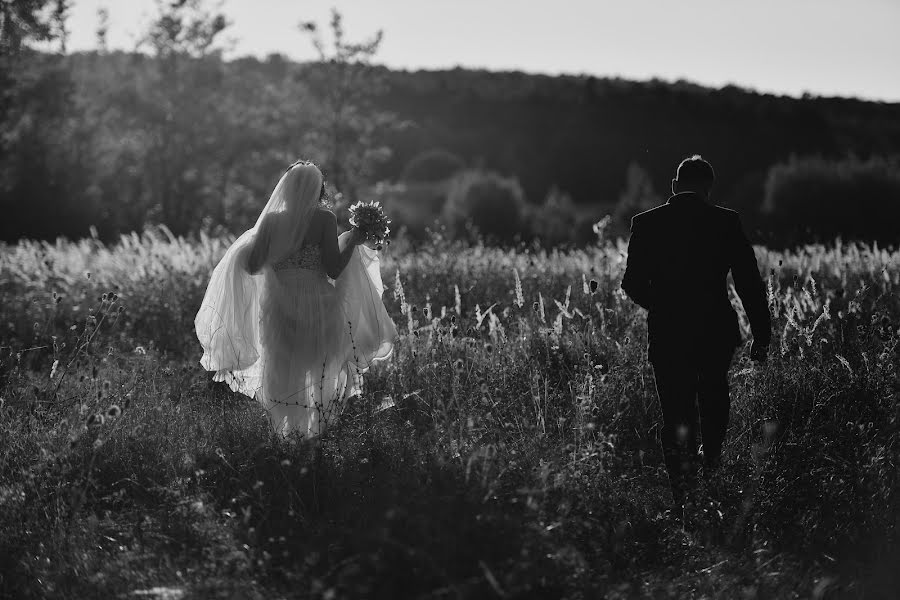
287,335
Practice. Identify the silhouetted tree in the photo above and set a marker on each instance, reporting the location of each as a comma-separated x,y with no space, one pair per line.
348,121
180,105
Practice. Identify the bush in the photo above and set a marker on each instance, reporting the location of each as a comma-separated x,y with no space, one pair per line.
813,199
493,204
556,221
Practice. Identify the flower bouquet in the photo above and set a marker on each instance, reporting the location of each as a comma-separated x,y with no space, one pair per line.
370,220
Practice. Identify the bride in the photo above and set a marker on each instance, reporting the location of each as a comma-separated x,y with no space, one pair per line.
275,327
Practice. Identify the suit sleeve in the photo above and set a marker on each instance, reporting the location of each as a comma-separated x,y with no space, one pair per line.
749,284
636,281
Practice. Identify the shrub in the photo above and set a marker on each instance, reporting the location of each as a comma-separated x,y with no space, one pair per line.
812,199
556,220
493,204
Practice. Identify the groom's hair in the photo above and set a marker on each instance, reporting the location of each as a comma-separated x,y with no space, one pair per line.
694,170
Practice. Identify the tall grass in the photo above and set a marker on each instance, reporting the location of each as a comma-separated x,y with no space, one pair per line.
509,448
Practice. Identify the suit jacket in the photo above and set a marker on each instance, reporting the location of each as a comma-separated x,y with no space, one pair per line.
679,256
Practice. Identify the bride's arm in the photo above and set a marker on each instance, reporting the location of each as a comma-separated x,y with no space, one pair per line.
335,255
259,247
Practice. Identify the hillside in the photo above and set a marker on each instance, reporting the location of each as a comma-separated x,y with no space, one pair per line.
117,139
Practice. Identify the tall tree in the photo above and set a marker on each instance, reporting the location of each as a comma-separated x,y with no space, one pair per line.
348,121
28,21
180,108
35,107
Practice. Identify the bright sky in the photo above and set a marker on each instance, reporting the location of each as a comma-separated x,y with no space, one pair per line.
824,47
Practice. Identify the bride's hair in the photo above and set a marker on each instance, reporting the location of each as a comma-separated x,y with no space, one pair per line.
324,199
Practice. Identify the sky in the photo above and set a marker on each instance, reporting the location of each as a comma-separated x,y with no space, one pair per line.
821,47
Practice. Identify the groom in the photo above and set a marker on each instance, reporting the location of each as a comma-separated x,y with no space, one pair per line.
679,256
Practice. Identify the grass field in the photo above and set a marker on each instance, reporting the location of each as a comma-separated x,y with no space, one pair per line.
508,450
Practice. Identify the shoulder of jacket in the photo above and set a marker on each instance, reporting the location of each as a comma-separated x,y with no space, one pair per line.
726,212
649,215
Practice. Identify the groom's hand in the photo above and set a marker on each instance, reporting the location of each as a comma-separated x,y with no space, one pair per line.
759,351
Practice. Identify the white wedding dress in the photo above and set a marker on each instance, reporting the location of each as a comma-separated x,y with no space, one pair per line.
287,335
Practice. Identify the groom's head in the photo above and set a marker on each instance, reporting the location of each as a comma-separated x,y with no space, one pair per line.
694,175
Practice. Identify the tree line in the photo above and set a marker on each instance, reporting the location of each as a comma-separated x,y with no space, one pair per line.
174,134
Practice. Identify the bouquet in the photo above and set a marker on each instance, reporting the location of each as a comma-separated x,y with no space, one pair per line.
370,220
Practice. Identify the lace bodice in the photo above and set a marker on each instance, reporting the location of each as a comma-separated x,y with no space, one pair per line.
307,257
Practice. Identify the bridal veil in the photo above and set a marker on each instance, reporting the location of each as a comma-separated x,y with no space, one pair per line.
240,300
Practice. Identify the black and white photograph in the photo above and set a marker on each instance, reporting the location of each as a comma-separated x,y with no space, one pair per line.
485,299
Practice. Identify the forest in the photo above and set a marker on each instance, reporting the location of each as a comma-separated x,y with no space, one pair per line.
173,134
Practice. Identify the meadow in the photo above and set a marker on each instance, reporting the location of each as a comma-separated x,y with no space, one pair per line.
508,450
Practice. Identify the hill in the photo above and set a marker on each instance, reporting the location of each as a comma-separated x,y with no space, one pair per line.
116,139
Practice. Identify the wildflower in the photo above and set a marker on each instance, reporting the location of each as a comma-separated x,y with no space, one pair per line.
54,368
97,444
520,298
95,420
600,227
285,462
113,411
140,350
398,289
386,403
458,364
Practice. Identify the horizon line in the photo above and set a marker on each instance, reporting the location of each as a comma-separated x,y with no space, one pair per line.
806,95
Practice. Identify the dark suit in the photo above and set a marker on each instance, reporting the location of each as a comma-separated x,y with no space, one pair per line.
679,257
